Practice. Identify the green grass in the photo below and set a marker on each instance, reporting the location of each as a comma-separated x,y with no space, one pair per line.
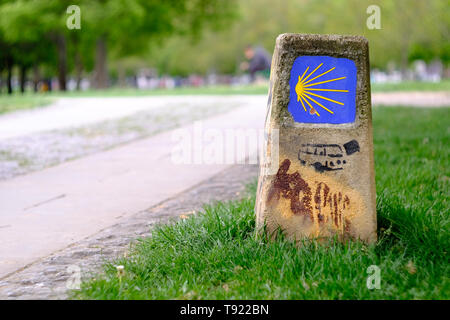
216,254
443,85
21,102
131,92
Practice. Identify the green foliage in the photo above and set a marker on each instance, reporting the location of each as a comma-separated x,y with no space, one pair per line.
405,25
16,102
31,29
181,37
126,26
217,255
443,85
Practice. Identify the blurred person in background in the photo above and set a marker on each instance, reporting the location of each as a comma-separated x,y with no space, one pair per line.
258,62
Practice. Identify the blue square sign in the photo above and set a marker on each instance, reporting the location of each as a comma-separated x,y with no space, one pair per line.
322,90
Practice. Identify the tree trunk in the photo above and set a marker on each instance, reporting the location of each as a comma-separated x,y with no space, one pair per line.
101,72
121,75
36,78
62,61
78,69
48,81
9,67
23,78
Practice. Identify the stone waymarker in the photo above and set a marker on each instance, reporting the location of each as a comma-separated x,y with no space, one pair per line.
317,176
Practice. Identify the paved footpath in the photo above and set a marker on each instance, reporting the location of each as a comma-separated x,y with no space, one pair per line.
53,276
75,112
28,147
48,210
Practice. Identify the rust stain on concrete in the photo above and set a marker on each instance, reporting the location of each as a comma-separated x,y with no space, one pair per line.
311,204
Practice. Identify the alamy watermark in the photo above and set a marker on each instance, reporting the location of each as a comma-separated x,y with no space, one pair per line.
74,20
200,145
374,19
74,280
374,278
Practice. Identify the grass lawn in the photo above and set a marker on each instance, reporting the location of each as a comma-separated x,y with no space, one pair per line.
131,92
216,254
21,102
411,86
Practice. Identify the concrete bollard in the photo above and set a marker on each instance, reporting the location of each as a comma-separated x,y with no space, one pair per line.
317,171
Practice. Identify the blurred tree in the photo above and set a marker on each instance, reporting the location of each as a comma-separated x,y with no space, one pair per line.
124,26
165,34
127,26
405,25
6,63
29,26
